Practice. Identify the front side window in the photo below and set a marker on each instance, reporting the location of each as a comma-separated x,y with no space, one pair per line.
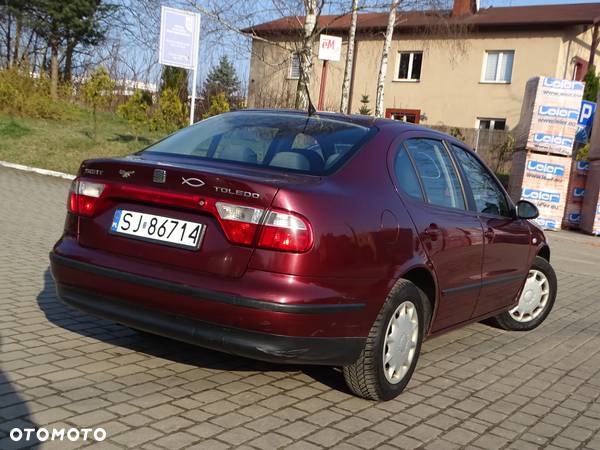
437,173
409,66
489,198
294,73
498,66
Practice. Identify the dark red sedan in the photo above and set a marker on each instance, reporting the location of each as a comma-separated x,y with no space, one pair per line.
322,239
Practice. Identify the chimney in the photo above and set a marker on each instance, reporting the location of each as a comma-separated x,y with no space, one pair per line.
464,7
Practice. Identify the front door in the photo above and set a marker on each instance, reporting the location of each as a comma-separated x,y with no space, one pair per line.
453,238
507,239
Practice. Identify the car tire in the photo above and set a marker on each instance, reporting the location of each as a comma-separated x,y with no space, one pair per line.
531,311
406,311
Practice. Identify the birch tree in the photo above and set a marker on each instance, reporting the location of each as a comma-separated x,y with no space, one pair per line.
389,32
344,103
305,52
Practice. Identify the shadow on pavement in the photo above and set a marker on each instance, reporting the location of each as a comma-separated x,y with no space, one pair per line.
14,413
83,324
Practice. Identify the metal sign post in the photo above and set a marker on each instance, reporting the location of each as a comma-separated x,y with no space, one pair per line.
320,105
178,47
330,49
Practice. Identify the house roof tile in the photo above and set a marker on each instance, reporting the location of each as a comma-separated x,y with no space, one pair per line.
523,17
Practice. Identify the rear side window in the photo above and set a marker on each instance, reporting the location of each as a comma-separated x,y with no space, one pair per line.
406,175
281,141
489,198
437,173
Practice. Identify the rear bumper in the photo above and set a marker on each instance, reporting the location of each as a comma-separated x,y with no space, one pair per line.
320,327
330,351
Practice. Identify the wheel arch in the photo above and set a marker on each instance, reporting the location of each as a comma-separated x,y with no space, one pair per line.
544,252
424,279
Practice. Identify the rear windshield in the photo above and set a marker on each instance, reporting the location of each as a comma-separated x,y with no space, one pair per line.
282,141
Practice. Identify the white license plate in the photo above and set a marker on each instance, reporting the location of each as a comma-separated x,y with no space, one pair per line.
159,229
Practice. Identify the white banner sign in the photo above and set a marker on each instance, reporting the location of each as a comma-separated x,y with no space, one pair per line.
179,36
330,48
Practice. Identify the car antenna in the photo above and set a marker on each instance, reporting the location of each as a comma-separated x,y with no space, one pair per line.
311,108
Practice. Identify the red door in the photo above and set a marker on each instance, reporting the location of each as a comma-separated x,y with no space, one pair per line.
452,237
405,115
505,262
507,239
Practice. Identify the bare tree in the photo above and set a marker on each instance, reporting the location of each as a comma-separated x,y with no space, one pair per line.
389,32
313,11
344,103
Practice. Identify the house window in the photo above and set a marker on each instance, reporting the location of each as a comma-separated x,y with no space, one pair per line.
295,66
491,124
498,66
409,66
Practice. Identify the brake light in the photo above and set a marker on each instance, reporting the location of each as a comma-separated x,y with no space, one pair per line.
285,231
279,230
239,222
84,197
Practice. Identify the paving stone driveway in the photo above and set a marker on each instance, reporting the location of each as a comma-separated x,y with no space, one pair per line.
478,387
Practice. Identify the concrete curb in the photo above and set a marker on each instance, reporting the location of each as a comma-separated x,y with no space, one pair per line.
51,173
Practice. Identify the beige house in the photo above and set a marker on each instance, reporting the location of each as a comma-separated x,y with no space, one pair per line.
464,68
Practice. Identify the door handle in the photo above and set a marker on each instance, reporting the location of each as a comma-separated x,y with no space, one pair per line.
489,234
432,232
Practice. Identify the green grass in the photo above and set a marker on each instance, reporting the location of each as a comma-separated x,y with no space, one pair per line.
62,144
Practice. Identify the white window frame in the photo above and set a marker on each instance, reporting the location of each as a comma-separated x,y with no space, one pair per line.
496,79
492,123
410,65
290,74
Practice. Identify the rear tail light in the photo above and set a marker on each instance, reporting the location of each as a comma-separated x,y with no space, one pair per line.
84,197
280,230
239,222
285,231
276,229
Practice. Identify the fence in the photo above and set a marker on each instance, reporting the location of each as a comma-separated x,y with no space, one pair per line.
495,147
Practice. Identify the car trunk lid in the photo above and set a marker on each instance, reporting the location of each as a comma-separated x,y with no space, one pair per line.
174,188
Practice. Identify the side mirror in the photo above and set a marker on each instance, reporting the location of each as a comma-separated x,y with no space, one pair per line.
526,210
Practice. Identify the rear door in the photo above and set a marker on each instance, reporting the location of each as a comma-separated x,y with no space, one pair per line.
452,239
507,239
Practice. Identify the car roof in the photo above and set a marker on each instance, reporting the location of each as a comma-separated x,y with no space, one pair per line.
354,118
367,121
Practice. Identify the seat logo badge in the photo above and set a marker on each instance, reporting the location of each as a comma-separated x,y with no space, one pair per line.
193,182
126,173
159,176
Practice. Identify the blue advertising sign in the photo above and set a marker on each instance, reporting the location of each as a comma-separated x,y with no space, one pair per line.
179,36
584,123
546,169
